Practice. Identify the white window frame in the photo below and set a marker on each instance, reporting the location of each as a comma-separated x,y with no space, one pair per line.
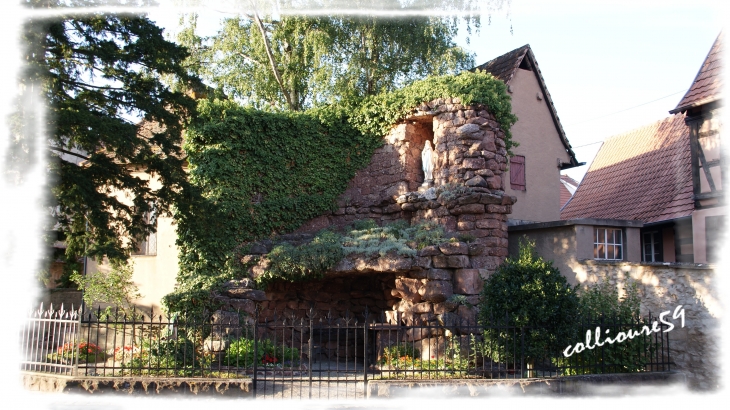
608,244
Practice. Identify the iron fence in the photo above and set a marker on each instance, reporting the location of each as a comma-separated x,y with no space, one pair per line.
326,356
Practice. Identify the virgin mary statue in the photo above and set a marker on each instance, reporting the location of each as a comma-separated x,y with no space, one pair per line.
428,162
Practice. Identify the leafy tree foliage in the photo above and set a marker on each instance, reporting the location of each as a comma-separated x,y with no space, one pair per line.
528,291
295,62
109,114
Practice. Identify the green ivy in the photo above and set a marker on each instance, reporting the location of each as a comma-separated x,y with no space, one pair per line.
258,174
376,114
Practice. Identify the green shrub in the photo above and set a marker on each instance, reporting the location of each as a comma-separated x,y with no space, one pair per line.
305,262
528,291
241,353
364,224
603,299
399,352
397,237
114,287
161,356
459,300
601,305
427,233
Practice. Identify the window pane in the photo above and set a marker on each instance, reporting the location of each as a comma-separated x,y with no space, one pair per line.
618,252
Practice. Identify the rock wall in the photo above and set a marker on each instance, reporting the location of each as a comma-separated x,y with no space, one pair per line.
695,349
395,290
469,150
419,287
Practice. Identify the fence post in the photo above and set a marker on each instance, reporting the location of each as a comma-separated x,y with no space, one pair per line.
75,338
311,342
522,352
365,353
255,348
669,357
603,356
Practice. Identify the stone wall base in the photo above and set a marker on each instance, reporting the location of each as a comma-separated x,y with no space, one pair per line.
138,385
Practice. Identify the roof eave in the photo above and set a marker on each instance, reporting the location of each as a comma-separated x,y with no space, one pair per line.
553,113
695,104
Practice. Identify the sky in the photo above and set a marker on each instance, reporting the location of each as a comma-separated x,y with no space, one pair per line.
610,67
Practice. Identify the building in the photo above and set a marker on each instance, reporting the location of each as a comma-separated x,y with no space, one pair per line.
544,150
666,175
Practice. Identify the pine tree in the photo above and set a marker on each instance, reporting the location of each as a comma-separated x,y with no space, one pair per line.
109,114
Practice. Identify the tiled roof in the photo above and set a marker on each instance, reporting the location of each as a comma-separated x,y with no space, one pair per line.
504,68
567,187
642,175
707,86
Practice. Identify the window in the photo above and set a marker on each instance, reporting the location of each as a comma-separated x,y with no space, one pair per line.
652,247
608,244
148,246
517,173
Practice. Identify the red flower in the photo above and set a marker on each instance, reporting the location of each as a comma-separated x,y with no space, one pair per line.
269,359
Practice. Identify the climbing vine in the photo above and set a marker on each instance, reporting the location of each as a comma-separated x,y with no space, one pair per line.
257,174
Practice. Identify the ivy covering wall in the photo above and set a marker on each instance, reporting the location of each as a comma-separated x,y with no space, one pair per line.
257,174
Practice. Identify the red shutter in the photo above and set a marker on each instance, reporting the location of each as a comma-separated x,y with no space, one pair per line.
517,172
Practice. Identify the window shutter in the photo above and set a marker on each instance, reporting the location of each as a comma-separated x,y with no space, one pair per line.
517,173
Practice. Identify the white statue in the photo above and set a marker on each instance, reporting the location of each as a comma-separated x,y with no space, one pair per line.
428,163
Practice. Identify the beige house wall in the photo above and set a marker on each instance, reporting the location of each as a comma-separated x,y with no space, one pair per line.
154,275
698,231
567,245
542,148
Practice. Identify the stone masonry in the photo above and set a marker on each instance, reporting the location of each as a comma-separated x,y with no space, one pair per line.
470,151
694,349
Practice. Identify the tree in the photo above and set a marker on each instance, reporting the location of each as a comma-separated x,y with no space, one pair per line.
529,292
295,62
109,114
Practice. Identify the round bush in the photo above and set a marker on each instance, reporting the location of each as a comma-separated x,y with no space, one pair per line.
531,295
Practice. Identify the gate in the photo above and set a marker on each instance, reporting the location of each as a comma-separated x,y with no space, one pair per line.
322,357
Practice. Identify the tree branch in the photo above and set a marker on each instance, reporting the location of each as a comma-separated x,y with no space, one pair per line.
68,152
267,45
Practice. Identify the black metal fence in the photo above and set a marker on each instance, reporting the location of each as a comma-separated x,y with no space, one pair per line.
325,356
